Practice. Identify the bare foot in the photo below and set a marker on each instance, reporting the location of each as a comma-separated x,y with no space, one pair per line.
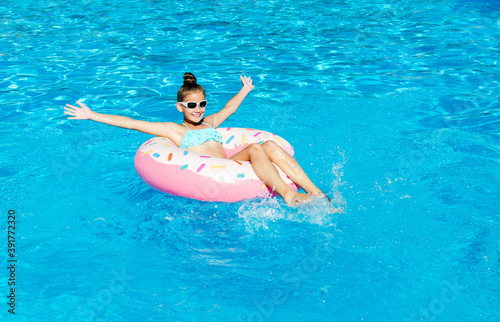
332,209
322,195
294,198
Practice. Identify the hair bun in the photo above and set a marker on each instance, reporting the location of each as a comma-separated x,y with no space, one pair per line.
189,79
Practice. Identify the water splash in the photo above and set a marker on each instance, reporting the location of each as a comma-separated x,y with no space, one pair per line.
258,215
337,174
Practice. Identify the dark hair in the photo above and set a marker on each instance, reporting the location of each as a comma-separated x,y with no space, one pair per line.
190,86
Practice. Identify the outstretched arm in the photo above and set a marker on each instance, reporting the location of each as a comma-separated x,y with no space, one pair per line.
233,104
85,113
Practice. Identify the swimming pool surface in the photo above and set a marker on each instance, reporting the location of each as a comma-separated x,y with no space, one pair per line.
393,110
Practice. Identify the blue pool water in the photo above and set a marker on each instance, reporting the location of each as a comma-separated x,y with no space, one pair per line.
392,107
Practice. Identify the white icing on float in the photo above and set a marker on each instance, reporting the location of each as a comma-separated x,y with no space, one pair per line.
166,167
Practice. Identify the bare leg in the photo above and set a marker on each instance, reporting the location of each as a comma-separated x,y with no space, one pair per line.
290,167
266,171
293,170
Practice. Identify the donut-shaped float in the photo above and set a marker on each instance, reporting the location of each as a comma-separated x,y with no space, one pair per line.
166,167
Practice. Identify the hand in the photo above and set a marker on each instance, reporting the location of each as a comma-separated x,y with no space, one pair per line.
83,113
247,83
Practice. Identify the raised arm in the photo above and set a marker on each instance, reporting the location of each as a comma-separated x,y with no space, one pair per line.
218,118
166,129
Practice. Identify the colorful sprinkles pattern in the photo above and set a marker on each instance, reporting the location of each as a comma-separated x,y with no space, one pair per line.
169,154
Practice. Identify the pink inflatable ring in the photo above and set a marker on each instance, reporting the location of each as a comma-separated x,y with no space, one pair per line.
166,167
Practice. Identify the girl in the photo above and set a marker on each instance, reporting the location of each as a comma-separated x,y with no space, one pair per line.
197,133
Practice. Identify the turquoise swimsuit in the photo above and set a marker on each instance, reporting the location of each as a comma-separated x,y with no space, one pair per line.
198,137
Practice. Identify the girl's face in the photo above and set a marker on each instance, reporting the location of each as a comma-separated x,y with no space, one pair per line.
192,115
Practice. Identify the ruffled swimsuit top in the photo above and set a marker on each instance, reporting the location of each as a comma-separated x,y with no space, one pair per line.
198,137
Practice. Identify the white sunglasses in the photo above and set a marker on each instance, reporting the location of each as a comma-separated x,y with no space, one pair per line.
192,105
